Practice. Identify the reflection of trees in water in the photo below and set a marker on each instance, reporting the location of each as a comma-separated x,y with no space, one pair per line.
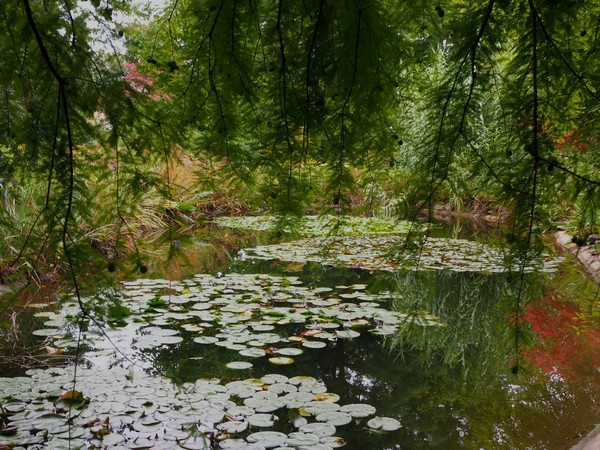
475,310
470,360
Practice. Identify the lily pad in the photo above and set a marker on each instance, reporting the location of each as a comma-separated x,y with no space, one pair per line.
252,352
347,334
239,444
281,360
273,378
267,438
329,397
206,340
239,365
233,426
317,407
358,410
335,418
314,344
302,439
333,441
44,332
319,429
384,423
290,351
262,420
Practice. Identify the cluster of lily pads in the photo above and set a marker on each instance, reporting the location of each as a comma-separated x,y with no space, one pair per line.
320,225
133,410
247,313
395,252
373,243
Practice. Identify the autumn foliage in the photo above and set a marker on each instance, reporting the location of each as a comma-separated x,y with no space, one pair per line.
564,345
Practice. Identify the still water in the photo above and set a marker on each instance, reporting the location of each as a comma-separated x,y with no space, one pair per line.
453,362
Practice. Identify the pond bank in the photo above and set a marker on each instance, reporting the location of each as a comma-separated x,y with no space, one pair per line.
590,442
586,254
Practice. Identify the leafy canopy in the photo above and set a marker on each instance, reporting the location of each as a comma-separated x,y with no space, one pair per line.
302,100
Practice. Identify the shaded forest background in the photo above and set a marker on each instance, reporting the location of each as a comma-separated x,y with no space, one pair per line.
118,119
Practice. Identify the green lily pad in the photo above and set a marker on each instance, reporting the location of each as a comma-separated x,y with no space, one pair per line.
252,352
262,420
233,426
358,410
333,441
319,429
384,423
290,351
299,439
239,444
206,340
297,399
328,397
45,332
273,378
240,410
239,365
281,360
334,418
347,334
316,407
267,438
314,344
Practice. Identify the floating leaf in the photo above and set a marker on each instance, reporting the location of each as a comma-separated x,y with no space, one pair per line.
73,396
267,438
297,399
262,420
290,351
206,340
347,334
358,410
240,410
282,388
252,352
47,332
335,418
169,340
273,378
239,365
302,439
319,429
194,443
327,397
384,423
333,441
314,344
316,407
233,426
281,360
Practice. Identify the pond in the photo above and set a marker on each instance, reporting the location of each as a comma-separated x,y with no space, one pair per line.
298,339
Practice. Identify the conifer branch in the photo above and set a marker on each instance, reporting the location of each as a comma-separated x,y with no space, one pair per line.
562,57
283,98
307,82
471,53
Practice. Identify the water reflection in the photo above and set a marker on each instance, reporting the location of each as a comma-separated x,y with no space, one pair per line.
450,386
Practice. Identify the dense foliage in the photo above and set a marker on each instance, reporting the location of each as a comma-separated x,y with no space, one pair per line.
306,103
